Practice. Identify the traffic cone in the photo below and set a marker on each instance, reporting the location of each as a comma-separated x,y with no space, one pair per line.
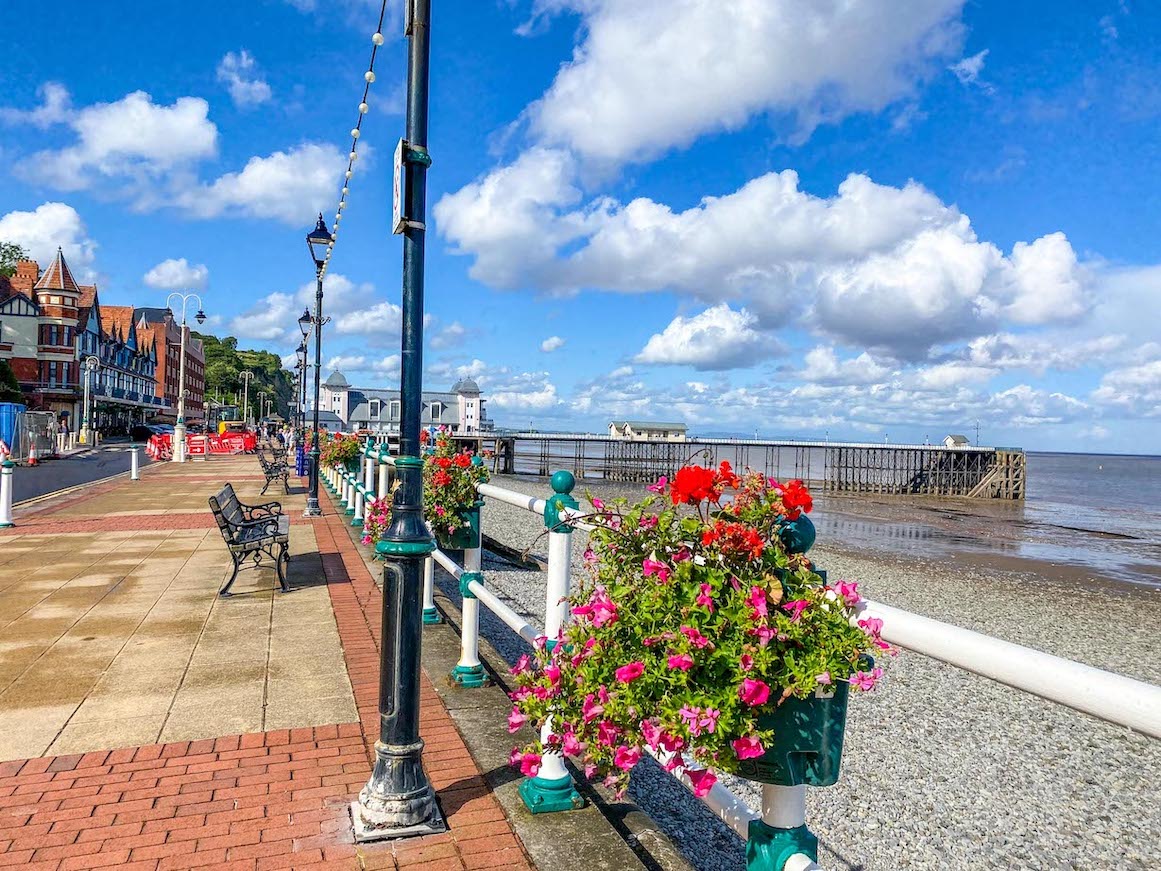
32,461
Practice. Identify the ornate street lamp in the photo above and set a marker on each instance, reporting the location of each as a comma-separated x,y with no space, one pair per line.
179,445
91,365
300,392
398,799
319,241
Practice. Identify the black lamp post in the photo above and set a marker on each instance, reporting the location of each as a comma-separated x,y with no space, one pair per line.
398,800
319,241
300,394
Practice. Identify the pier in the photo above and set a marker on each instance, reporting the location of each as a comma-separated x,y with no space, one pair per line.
830,467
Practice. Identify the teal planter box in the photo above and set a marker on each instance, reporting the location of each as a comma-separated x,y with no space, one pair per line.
808,742
353,465
466,537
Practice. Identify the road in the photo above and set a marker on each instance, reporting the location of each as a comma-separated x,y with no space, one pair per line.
53,475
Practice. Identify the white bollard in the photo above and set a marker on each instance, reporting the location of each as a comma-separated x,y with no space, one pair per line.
469,672
556,608
369,475
430,614
360,505
134,464
551,790
383,484
6,494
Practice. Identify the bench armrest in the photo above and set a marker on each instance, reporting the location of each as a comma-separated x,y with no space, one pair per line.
264,511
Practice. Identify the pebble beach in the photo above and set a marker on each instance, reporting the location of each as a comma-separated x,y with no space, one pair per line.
941,768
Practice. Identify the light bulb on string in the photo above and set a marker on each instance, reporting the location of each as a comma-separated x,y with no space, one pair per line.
377,38
369,76
363,108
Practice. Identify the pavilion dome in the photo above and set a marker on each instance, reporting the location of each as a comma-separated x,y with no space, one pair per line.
466,387
337,381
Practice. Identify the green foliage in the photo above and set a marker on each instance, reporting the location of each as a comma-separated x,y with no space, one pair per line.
9,386
692,626
224,367
10,252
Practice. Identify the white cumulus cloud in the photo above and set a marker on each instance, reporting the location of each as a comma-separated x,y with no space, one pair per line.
47,227
238,71
177,275
552,343
653,74
718,338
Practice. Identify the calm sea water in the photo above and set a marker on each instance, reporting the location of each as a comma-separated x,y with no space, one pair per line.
1097,512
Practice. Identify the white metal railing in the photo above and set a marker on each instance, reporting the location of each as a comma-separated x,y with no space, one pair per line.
1106,695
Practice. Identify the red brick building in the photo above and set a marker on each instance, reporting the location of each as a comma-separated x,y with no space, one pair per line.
165,332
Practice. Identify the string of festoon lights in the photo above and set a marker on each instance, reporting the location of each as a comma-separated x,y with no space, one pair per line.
356,131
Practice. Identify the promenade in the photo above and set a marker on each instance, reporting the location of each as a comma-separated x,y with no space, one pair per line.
148,724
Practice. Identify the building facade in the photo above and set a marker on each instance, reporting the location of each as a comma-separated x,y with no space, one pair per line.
461,409
647,431
165,332
50,325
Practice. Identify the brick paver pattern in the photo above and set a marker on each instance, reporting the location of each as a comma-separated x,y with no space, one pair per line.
267,800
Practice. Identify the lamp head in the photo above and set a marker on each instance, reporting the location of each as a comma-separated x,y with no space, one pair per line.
317,241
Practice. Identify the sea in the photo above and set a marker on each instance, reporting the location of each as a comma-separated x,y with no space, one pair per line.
1099,514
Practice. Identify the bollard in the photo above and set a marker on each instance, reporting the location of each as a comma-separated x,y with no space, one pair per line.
430,614
360,504
559,555
6,494
383,484
469,672
134,469
781,840
552,789
349,492
72,441
369,473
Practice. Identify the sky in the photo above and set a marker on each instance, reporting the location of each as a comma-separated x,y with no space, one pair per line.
850,219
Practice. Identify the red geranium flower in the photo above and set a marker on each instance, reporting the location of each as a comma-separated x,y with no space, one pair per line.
441,478
443,462
462,460
693,484
797,499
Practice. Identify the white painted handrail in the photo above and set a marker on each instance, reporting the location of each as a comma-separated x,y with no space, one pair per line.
1102,694
500,608
511,497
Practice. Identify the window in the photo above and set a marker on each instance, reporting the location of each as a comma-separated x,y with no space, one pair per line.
395,409
436,410
376,407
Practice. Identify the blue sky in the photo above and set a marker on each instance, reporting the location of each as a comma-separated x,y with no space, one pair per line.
893,217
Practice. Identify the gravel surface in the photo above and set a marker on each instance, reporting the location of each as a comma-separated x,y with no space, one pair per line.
942,769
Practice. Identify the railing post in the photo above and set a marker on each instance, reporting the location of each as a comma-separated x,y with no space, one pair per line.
134,464
780,841
552,789
469,672
384,485
430,614
360,504
369,470
6,494
559,555
349,490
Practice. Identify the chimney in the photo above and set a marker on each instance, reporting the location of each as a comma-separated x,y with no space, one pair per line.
26,276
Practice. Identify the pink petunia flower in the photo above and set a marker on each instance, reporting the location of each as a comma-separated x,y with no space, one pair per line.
757,600
754,692
530,764
702,781
692,717
571,746
630,672
682,555
626,757
796,608
660,486
653,567
695,637
748,747
709,719
849,591
607,733
552,672
515,756
866,680
681,662
515,720
764,633
598,504
651,732
746,662
823,678
590,710
589,556
705,597
522,664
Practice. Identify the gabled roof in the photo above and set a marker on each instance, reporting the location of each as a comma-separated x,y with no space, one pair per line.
88,295
58,276
117,322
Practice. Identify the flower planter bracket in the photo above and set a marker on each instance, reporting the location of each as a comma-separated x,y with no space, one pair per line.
808,741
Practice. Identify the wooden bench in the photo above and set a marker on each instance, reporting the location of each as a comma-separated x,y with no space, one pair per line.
252,532
274,470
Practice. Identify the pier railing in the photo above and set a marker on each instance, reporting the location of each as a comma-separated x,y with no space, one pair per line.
1108,696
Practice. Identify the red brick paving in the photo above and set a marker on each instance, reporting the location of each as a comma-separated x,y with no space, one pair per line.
258,801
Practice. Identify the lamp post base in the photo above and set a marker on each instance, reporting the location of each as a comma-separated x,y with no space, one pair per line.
398,801
312,508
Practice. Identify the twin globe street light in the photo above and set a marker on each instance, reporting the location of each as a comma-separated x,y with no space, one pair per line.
179,442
